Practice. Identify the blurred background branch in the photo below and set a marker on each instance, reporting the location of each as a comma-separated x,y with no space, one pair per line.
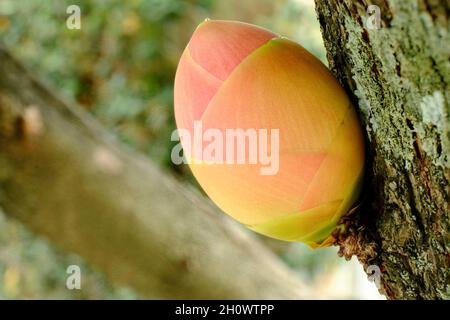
65,177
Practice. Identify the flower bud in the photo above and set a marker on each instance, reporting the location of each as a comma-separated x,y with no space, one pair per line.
297,150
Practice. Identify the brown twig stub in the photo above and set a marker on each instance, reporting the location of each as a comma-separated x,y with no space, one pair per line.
352,238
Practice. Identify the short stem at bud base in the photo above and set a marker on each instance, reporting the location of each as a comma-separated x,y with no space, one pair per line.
340,230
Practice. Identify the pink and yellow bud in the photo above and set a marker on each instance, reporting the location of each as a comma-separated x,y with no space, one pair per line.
234,75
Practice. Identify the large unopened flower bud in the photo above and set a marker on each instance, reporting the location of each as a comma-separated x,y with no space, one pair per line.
301,166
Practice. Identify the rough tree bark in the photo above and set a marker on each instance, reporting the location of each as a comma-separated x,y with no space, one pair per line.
66,178
399,78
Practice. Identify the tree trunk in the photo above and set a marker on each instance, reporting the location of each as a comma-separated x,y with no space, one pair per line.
66,178
399,77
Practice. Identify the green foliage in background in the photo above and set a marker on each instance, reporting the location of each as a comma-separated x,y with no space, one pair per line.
119,65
